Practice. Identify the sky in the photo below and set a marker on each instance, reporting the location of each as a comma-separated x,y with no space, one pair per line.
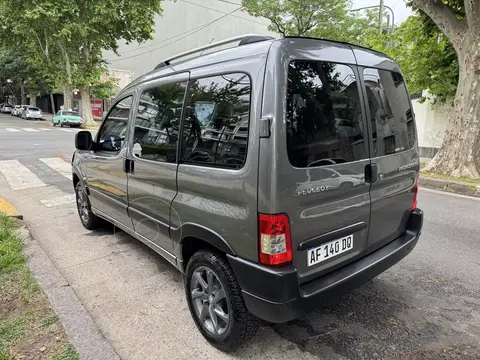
400,11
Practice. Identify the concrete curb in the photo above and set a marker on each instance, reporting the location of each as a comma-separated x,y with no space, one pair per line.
456,187
77,322
9,209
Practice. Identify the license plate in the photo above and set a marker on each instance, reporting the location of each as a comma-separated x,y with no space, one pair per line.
329,250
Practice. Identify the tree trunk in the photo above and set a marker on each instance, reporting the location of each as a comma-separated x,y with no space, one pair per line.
23,95
67,98
52,102
33,99
86,107
459,155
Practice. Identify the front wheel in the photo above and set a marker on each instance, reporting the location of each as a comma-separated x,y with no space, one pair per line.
216,303
89,220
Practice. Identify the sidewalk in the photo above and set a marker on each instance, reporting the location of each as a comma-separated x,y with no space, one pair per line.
454,186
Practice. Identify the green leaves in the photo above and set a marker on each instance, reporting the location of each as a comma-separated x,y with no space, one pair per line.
426,57
66,38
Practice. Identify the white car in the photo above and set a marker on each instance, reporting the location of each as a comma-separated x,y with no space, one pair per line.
6,109
323,179
16,110
32,112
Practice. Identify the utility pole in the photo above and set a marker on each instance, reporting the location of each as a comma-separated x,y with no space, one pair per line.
380,17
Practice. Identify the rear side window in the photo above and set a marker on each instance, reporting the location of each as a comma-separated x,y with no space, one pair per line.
391,116
324,116
215,130
157,122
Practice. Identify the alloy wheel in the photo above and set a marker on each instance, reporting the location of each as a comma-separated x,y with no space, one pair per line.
210,301
82,206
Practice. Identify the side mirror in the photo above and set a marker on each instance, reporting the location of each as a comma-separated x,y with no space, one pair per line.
83,140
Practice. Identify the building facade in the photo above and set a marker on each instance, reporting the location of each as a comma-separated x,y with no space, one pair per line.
184,25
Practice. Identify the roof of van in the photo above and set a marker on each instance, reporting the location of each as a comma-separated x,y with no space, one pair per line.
248,49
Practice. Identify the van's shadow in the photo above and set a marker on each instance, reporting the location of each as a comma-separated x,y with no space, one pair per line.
381,317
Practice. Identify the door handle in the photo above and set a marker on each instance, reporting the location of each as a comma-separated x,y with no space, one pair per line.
371,173
129,166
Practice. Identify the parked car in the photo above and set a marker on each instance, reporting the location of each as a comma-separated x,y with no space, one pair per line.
242,212
6,108
19,112
15,110
32,112
67,117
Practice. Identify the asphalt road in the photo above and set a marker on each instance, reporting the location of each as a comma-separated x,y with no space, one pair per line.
425,307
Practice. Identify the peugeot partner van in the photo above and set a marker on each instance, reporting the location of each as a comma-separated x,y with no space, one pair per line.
275,174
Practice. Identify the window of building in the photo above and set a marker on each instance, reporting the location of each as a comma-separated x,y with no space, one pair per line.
324,116
114,128
215,131
391,116
157,122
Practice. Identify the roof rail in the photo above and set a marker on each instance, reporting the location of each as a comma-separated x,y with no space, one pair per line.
241,39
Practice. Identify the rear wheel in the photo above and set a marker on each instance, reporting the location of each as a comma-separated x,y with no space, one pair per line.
88,219
216,303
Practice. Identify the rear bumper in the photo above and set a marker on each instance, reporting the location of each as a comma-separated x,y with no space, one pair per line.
274,294
71,123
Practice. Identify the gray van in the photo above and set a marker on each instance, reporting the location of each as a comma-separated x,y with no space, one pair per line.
275,174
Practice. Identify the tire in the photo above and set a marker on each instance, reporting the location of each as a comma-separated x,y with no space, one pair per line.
241,324
89,220
54,124
61,124
346,185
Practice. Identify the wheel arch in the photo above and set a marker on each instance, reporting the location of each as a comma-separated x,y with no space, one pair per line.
193,237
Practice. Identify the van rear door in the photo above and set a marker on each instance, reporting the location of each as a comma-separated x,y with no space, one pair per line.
394,152
312,167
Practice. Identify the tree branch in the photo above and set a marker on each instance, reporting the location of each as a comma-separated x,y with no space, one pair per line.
280,28
446,20
472,11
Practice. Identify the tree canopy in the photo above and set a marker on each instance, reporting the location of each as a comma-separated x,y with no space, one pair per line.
66,38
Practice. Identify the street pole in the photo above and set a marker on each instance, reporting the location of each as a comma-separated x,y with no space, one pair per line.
384,6
380,17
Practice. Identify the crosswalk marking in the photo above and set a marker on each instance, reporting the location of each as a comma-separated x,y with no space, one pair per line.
61,166
59,200
32,130
18,176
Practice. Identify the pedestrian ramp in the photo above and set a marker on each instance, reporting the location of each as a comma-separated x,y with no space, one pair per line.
42,173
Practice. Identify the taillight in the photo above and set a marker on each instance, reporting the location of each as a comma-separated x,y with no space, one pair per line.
415,193
275,240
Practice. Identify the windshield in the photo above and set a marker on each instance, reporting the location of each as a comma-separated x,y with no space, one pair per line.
70,113
33,109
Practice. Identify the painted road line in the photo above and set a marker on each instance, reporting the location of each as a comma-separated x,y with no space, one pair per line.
18,176
11,129
9,209
59,200
61,166
30,130
45,129
67,130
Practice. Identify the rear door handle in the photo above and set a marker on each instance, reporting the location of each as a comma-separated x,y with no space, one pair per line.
371,173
